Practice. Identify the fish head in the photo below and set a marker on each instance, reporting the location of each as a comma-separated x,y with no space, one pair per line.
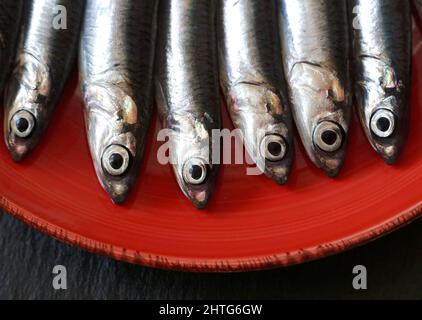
264,120
27,106
114,135
322,113
191,155
383,107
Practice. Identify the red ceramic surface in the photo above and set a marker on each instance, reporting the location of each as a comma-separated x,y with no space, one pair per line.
250,223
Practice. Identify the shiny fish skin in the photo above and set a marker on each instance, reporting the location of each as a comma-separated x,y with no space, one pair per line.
116,70
315,48
382,59
252,80
187,92
10,12
44,60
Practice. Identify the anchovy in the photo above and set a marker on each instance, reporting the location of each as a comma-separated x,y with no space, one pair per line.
382,58
187,92
116,69
10,12
45,57
252,80
315,43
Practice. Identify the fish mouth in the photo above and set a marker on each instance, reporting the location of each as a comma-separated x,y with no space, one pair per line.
329,140
21,138
390,154
387,128
19,152
118,191
115,175
332,167
279,174
200,198
383,126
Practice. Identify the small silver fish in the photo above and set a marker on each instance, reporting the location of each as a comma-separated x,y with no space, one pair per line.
187,92
315,43
382,49
10,12
252,79
116,70
44,60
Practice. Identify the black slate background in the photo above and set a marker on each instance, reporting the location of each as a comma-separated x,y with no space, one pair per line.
27,257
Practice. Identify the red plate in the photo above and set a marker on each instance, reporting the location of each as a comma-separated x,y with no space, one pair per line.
250,223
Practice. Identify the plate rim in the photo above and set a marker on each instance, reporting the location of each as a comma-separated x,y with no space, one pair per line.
253,263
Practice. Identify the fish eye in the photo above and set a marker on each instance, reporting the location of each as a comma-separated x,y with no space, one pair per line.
383,123
195,171
115,160
273,147
328,136
22,124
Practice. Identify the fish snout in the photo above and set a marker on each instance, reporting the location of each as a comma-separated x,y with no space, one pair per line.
197,181
389,153
329,139
280,174
21,137
200,198
118,191
388,129
19,152
115,175
274,150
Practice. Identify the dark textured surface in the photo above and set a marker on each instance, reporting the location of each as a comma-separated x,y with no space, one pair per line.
27,258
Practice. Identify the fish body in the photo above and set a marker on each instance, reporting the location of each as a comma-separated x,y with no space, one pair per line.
44,59
116,69
10,13
382,63
252,80
187,92
315,49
